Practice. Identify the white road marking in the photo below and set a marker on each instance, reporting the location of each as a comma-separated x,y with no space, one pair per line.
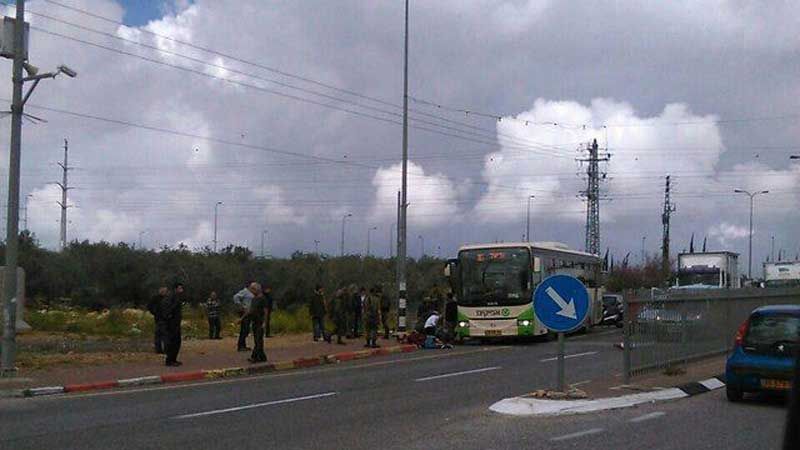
579,383
712,383
577,435
576,355
653,415
289,373
455,374
256,405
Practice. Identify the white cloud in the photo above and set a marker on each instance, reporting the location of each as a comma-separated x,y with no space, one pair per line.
433,198
725,232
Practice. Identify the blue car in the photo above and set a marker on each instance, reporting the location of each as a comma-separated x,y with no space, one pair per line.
765,352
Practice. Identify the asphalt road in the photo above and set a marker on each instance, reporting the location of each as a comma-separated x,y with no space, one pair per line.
426,400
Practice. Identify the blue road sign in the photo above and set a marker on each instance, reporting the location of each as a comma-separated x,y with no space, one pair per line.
561,303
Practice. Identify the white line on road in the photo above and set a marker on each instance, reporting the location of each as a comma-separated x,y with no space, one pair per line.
653,415
580,383
576,355
256,405
577,435
455,374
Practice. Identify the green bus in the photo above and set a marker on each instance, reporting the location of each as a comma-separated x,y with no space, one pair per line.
493,285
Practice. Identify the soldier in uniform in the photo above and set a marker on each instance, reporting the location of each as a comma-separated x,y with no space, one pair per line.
317,310
372,306
386,306
338,314
212,311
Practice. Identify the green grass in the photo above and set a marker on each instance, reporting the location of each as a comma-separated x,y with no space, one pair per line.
121,322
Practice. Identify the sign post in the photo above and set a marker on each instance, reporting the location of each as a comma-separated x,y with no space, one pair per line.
561,304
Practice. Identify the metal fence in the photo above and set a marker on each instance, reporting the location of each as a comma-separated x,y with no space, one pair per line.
669,328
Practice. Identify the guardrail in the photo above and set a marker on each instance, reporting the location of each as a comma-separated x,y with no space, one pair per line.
667,328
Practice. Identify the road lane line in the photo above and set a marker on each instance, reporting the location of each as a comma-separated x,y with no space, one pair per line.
653,415
455,374
576,355
256,405
291,373
577,435
579,383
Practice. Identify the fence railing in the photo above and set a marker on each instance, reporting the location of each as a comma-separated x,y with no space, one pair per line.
668,328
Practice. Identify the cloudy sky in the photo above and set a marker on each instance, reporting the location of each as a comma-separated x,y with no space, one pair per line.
292,120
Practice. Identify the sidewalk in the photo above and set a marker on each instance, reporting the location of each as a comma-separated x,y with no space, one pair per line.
195,354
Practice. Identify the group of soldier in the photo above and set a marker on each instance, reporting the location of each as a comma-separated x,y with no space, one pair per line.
347,309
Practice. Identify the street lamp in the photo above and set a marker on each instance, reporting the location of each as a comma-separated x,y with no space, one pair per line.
370,230
216,214
19,56
528,223
644,238
344,219
750,243
421,246
316,247
263,234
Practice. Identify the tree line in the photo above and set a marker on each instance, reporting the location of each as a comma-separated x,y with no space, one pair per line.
101,275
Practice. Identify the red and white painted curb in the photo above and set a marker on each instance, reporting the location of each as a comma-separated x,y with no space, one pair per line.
228,372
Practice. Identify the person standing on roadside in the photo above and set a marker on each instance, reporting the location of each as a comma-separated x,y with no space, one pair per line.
242,301
270,302
386,306
159,325
171,311
212,311
372,307
256,314
317,310
358,309
338,314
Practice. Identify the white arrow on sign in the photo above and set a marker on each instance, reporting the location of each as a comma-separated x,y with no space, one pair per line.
567,309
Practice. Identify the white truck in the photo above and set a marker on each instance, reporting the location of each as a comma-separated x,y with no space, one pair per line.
708,270
782,274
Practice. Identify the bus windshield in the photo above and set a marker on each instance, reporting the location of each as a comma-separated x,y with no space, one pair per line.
494,277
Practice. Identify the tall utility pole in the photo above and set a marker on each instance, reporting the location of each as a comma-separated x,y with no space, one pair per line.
316,247
528,222
65,168
752,195
644,254
402,230
263,235
20,55
141,233
341,245
592,196
666,213
369,232
216,216
772,249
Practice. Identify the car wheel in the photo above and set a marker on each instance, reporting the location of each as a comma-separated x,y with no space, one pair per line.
733,394
619,324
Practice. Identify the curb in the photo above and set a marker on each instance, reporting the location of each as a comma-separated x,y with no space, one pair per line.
228,372
520,406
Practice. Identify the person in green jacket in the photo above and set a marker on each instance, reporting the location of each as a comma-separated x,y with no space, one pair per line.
372,308
338,314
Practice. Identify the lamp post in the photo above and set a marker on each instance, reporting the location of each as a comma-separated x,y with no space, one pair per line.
263,235
528,222
644,238
20,56
316,247
344,219
216,215
750,240
369,231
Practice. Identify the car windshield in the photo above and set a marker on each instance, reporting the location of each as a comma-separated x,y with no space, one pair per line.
772,329
494,277
689,279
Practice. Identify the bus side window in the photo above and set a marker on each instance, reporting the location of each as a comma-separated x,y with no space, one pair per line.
537,264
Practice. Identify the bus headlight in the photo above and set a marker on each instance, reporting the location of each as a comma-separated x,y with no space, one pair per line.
525,323
463,324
